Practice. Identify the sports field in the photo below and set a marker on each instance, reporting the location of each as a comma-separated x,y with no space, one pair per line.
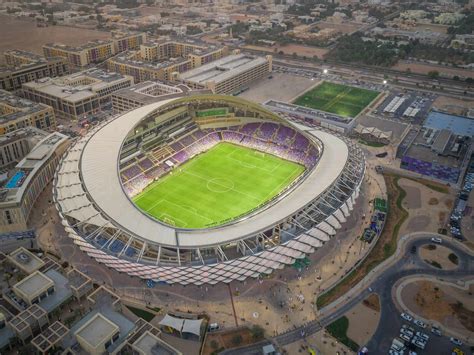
343,100
217,186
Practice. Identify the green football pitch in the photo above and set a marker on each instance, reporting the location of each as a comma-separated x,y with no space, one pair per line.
217,186
343,100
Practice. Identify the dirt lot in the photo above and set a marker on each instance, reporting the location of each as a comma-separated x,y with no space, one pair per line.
425,215
227,340
453,106
363,320
451,306
341,27
425,68
283,87
23,34
299,49
438,255
432,28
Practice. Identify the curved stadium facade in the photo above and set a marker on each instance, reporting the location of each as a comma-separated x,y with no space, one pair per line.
102,178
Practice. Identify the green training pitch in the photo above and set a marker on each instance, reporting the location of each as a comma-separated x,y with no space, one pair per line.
343,100
217,186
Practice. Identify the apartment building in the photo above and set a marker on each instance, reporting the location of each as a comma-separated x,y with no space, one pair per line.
17,112
22,67
164,60
95,51
77,95
28,179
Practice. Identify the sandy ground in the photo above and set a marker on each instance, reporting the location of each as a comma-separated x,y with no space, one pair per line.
424,216
453,106
439,255
299,49
23,34
432,28
341,27
288,87
321,342
425,68
433,300
363,322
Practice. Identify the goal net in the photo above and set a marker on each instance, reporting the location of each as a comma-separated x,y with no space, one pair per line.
260,154
169,221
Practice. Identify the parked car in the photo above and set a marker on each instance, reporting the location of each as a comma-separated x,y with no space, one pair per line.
436,240
213,327
455,341
407,317
436,331
423,336
405,336
419,323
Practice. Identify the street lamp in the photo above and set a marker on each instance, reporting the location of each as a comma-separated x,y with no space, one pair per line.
385,82
325,71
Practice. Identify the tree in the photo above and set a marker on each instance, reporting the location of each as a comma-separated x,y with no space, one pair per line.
433,74
237,339
456,78
257,331
214,344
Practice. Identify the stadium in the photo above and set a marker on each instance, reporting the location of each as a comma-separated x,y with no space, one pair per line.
205,189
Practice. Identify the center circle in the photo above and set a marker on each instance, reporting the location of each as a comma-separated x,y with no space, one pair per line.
220,185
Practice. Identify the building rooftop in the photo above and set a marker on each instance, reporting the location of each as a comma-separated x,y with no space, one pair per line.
97,330
149,343
148,92
27,168
459,125
25,260
78,86
34,282
125,58
88,45
13,107
222,69
114,321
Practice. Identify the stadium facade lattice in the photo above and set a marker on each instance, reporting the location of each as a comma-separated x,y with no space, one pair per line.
99,175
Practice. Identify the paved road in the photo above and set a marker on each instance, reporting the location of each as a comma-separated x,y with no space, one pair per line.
390,321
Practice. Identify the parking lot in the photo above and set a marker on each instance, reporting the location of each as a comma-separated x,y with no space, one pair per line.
277,86
409,107
416,337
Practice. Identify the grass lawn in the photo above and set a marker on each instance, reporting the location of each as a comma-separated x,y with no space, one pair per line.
343,100
141,313
217,186
338,329
212,112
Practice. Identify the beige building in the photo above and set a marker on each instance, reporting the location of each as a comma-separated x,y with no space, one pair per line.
16,145
16,113
34,288
164,60
97,334
22,67
95,51
77,95
27,180
24,260
229,74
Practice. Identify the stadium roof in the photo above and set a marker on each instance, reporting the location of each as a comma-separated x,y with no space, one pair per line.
99,163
